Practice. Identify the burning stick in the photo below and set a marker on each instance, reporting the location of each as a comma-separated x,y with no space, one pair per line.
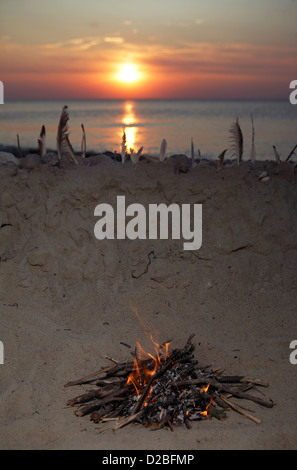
165,389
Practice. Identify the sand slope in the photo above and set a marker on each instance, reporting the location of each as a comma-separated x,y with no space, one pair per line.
67,299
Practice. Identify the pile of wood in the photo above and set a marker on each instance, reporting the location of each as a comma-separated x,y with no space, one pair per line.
163,390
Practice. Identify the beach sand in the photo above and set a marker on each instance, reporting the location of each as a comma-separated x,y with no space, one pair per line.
68,299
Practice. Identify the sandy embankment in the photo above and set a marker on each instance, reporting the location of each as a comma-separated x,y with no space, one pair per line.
67,299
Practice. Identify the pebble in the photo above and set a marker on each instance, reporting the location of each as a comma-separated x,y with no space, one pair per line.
7,158
263,176
30,161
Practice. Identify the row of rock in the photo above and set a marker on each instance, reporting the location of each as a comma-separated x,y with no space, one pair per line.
30,161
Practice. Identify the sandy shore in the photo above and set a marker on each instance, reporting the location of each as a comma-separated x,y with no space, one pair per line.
67,299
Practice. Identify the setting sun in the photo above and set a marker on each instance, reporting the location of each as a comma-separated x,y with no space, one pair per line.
128,73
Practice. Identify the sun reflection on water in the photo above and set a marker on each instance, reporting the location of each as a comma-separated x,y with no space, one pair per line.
129,120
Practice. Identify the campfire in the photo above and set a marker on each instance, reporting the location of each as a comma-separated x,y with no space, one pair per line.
165,389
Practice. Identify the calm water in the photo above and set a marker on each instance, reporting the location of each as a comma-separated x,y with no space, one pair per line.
147,122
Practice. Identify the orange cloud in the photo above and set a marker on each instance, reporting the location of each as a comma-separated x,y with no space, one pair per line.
86,67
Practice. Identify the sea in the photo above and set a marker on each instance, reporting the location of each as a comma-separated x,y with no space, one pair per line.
203,125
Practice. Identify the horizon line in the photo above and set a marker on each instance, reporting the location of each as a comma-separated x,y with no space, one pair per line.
145,99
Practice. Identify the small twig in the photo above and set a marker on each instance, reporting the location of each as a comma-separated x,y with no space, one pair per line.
19,147
127,420
291,153
85,397
246,396
111,359
125,344
127,366
240,379
89,377
241,411
189,345
115,396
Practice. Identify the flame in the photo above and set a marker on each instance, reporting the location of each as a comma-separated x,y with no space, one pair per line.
133,376
140,376
148,396
166,350
205,389
206,411
157,347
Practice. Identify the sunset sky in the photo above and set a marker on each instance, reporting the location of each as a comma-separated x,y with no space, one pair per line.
147,49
